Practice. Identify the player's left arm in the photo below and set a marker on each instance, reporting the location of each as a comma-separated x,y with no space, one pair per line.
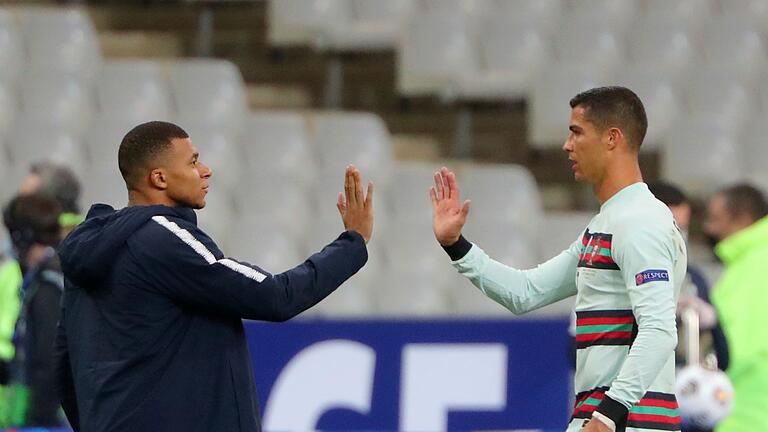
646,255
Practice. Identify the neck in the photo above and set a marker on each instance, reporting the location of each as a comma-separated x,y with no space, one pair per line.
35,255
142,198
618,175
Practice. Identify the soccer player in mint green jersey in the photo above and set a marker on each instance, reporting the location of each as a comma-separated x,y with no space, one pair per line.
625,269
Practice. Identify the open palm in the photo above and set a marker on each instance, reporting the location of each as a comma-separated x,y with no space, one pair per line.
448,213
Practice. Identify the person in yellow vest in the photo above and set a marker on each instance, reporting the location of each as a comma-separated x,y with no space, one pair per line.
737,217
59,183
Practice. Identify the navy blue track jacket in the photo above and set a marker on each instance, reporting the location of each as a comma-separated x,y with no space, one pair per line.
151,338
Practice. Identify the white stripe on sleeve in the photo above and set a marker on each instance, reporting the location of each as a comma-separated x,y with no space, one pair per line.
203,251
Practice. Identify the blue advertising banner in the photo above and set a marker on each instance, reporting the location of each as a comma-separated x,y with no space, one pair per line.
412,375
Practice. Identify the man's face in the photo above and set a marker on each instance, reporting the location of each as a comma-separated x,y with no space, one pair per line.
586,147
186,176
720,223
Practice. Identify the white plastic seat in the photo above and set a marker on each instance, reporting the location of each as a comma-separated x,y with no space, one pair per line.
11,53
511,57
31,140
409,197
412,292
543,15
549,108
361,139
756,9
470,9
61,41
507,193
720,93
105,185
585,39
733,44
702,155
261,244
63,101
133,88
371,25
661,100
277,142
666,47
504,241
301,22
691,14
279,200
614,14
435,51
209,93
8,107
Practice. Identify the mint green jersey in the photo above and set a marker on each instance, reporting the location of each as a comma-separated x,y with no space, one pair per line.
626,270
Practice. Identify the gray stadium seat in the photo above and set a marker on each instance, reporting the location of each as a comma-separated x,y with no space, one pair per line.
62,100
220,151
9,106
560,229
369,25
614,14
61,40
279,200
703,154
11,53
665,47
32,140
734,44
263,244
300,22
435,51
601,47
358,138
722,94
543,15
276,142
691,14
136,89
209,93
661,99
103,183
217,217
408,193
549,111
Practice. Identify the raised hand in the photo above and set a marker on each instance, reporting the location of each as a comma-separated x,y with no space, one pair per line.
448,214
356,211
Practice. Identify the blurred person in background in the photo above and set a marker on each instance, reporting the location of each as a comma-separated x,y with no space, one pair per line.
696,290
737,219
53,181
151,335
627,269
33,224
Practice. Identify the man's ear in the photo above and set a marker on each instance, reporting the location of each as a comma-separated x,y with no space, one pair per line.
614,136
158,178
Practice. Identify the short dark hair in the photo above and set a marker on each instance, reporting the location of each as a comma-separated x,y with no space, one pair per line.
142,144
745,200
33,219
58,182
668,193
614,106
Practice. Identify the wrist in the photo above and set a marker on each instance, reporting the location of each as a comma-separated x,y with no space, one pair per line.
613,410
458,249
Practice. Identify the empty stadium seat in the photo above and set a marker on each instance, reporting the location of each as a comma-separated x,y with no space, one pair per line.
732,43
370,25
503,194
409,197
361,139
11,53
136,89
755,149
664,47
31,140
209,93
61,100
220,151
560,230
262,244
720,93
613,14
544,15
691,14
8,106
277,142
435,51
510,57
283,203
702,155
587,39
300,22
62,41
216,218
103,183
412,292
549,111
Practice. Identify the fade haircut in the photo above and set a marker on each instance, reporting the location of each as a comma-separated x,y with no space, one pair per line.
142,145
744,199
614,106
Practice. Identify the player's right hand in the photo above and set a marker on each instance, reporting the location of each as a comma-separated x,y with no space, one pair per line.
448,214
356,211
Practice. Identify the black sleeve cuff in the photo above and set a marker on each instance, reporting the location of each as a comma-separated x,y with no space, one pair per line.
614,411
457,250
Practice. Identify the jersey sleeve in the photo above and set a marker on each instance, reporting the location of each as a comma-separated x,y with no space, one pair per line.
522,291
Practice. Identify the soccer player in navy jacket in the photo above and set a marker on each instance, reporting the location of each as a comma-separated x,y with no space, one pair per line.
151,337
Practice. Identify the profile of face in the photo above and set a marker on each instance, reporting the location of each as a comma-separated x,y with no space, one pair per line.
719,223
586,147
182,175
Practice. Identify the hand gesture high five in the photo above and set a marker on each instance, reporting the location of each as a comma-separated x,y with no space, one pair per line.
448,214
356,210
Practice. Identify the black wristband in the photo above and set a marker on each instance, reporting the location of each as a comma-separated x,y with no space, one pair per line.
457,250
614,411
